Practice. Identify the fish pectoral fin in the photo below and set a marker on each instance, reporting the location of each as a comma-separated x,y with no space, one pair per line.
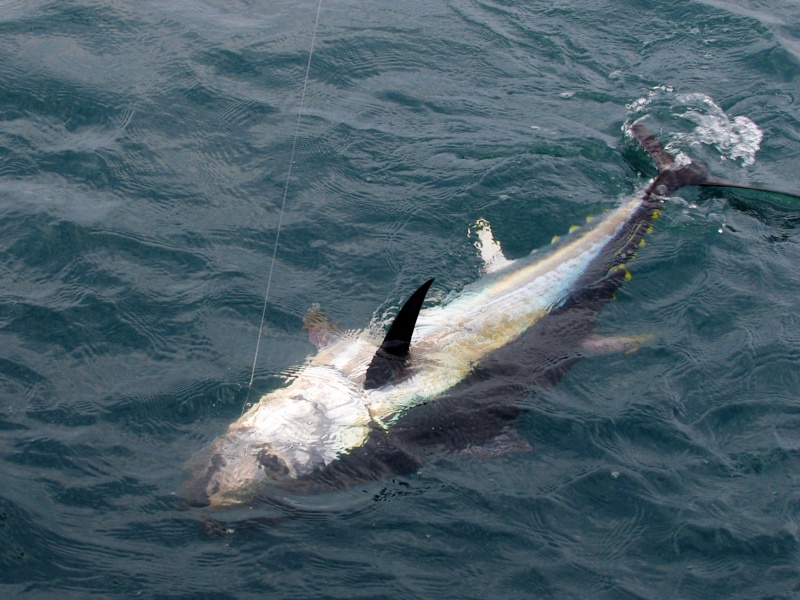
597,344
321,331
390,359
491,252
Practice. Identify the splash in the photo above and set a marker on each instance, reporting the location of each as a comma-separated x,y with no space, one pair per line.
737,138
638,106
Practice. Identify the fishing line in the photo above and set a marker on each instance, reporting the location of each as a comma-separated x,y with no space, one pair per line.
283,205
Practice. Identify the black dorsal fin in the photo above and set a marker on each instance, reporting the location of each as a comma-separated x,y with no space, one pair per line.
390,358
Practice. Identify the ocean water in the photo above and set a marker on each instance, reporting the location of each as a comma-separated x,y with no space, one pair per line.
144,152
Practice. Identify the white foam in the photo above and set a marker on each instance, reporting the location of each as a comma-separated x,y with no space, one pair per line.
640,104
737,138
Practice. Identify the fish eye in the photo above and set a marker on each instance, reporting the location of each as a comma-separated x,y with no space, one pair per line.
273,466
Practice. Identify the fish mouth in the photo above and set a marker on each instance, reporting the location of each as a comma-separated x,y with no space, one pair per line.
195,492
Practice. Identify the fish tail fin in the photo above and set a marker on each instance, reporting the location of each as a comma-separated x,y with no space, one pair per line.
673,174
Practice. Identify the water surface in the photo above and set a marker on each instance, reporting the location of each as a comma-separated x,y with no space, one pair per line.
144,151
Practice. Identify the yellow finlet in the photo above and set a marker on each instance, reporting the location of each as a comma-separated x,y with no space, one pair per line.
625,271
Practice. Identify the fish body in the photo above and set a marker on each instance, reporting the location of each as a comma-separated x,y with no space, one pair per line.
334,422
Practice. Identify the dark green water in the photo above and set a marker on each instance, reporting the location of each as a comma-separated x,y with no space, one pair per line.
144,149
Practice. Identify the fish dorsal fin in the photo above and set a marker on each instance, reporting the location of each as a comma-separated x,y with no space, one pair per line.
390,358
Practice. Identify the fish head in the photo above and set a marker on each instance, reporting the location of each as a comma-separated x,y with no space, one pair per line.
288,434
231,470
